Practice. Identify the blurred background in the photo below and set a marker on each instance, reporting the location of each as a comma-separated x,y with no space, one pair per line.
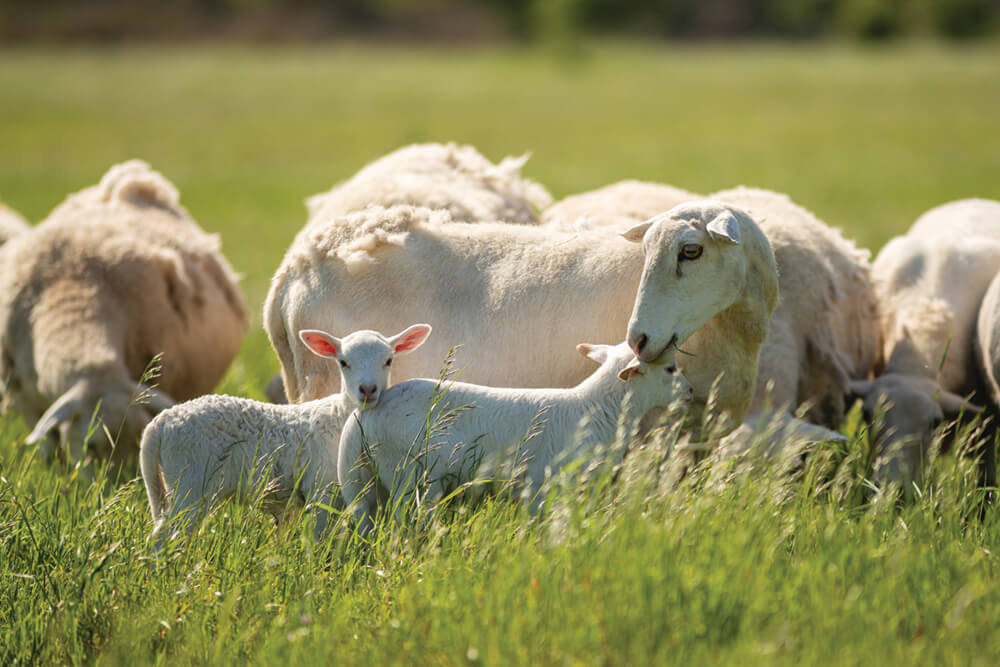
105,20
867,112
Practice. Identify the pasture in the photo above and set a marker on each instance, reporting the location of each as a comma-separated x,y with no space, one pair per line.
758,569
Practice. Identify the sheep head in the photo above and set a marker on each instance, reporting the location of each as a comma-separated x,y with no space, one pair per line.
107,418
697,263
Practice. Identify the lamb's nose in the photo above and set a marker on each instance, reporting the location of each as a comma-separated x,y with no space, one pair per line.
638,343
368,390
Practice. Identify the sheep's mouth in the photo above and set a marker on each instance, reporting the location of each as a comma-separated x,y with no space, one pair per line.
658,360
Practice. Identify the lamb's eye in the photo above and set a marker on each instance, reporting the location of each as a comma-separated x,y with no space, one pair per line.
388,362
690,251
343,364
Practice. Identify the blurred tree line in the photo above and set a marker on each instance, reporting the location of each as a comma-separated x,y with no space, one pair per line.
92,20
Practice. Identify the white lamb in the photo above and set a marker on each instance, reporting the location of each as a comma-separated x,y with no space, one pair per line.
930,284
448,433
11,224
616,207
116,275
487,284
213,447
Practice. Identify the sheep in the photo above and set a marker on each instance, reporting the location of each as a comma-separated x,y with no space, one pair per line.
117,275
450,433
824,332
930,284
453,178
213,447
487,284
447,177
11,224
616,206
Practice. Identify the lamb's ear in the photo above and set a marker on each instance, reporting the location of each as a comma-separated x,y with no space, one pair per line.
724,228
410,339
953,404
635,367
320,342
596,353
635,234
860,388
62,410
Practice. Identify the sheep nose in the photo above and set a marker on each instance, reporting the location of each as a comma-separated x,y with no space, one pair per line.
368,390
638,343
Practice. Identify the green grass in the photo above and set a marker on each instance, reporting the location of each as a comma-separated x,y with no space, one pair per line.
757,571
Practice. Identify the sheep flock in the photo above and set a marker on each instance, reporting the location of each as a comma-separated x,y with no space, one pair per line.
737,321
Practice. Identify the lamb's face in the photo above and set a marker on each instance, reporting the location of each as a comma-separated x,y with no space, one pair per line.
653,385
694,268
906,413
364,358
365,364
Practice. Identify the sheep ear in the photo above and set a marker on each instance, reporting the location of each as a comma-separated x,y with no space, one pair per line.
596,353
952,404
62,410
635,234
410,339
320,342
860,388
635,367
724,228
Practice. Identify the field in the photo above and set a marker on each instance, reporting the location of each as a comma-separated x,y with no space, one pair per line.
758,570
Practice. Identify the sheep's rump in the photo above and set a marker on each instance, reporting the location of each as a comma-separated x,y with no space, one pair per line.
449,177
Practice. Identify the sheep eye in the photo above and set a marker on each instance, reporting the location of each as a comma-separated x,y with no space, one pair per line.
343,364
388,362
690,251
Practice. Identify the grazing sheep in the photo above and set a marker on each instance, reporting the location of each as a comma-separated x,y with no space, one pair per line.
11,224
449,177
449,433
213,447
824,332
617,206
930,284
116,275
489,284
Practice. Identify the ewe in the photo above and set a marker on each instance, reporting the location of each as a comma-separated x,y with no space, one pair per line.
213,447
116,275
489,284
444,434
930,284
11,224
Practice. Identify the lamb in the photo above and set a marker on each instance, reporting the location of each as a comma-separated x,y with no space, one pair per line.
118,275
451,433
11,224
930,285
824,332
617,206
489,283
199,452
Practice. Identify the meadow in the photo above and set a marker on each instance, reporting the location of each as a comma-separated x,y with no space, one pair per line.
728,567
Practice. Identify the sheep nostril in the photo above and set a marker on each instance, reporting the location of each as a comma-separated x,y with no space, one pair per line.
671,369
639,343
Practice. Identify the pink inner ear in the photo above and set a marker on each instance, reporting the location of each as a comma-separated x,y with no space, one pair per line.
320,345
410,341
